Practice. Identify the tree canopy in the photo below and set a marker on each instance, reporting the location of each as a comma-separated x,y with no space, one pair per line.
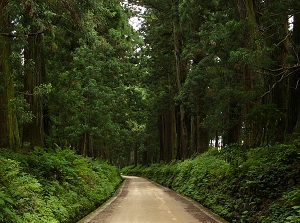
76,74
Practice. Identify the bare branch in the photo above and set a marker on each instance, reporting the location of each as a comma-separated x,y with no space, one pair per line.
284,75
26,34
25,93
297,84
284,39
284,69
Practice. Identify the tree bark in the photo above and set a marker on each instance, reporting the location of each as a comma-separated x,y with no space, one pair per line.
161,127
281,92
202,134
34,132
248,13
180,78
9,131
193,134
234,121
167,135
293,117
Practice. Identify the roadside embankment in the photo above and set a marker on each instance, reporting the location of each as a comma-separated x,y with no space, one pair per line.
241,185
53,186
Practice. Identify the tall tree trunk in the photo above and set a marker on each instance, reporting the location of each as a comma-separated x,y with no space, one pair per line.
202,133
281,92
161,127
135,154
34,132
9,132
180,78
170,135
293,117
234,121
248,13
167,135
193,134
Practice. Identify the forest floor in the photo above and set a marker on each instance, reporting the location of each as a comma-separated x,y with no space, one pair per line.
142,201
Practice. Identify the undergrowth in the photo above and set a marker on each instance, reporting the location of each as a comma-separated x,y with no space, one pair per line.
52,186
256,185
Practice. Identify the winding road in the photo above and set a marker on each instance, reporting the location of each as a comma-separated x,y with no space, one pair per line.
142,201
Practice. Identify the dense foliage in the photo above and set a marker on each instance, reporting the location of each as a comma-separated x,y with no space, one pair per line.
221,72
217,72
69,77
52,186
256,185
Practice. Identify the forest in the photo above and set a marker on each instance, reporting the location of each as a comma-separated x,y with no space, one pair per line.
83,90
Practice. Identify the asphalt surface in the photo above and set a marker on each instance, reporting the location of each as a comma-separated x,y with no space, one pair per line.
142,201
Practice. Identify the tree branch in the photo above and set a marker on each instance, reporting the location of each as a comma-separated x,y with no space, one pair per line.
26,34
283,68
284,75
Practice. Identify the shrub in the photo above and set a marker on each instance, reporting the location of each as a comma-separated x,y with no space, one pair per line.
52,186
256,185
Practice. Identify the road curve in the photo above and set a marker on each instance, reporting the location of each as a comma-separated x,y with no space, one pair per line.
142,201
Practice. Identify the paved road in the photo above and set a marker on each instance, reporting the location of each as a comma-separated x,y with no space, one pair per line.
142,201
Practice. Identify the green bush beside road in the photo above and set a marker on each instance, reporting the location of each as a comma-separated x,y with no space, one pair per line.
52,186
256,185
